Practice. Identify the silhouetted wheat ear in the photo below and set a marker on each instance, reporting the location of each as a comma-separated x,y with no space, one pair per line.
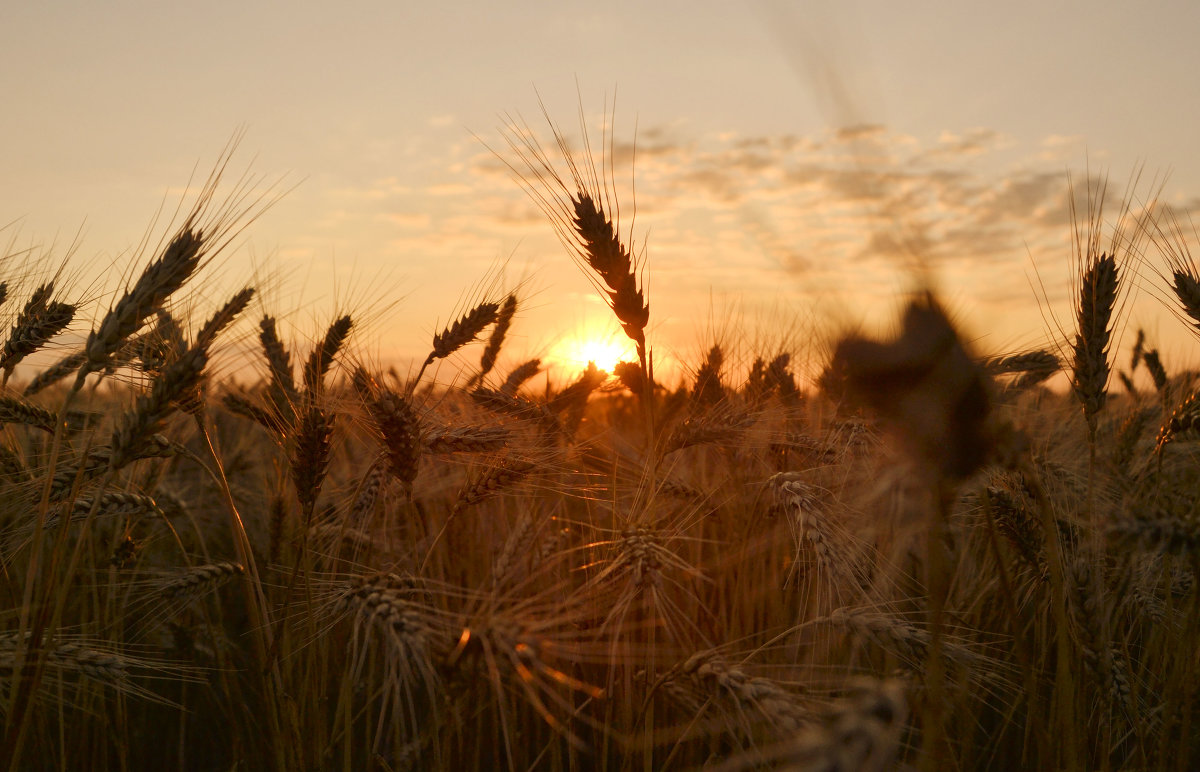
321,358
16,411
603,251
56,372
115,503
310,459
1040,361
576,394
162,345
178,380
157,283
1157,372
1033,367
193,401
1139,347
630,375
242,405
39,321
224,317
397,422
708,390
503,321
779,377
519,375
1017,523
1187,289
282,388
466,439
1097,297
705,679
463,331
109,667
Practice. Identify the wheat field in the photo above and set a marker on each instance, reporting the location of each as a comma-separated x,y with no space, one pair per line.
918,556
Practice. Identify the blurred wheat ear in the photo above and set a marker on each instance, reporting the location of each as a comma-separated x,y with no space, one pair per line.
925,384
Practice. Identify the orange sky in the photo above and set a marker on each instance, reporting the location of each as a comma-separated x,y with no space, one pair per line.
791,166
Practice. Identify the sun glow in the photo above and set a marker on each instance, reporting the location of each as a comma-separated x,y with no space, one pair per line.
574,352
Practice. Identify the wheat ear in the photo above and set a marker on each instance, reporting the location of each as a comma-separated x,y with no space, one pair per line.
465,330
398,424
157,283
1097,298
504,319
39,321
321,358
1185,417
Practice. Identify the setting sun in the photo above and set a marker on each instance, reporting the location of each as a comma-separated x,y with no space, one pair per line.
575,351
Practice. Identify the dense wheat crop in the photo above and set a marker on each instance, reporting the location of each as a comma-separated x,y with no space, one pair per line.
915,556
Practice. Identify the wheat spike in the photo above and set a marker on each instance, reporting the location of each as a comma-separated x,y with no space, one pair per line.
466,439
465,330
398,424
1097,298
512,384
38,322
17,411
1157,372
1033,367
602,250
56,372
157,283
193,582
282,388
705,676
321,358
180,379
504,319
779,378
310,457
1184,418
708,390
492,482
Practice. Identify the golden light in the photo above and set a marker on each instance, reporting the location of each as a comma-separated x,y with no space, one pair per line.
574,352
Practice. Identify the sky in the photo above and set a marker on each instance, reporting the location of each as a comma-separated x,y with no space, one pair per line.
785,170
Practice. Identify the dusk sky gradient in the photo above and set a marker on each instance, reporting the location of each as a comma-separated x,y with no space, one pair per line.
794,161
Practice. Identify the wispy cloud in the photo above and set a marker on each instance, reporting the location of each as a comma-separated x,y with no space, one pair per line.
845,216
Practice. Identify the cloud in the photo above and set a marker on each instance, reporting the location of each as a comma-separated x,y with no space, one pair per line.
839,217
